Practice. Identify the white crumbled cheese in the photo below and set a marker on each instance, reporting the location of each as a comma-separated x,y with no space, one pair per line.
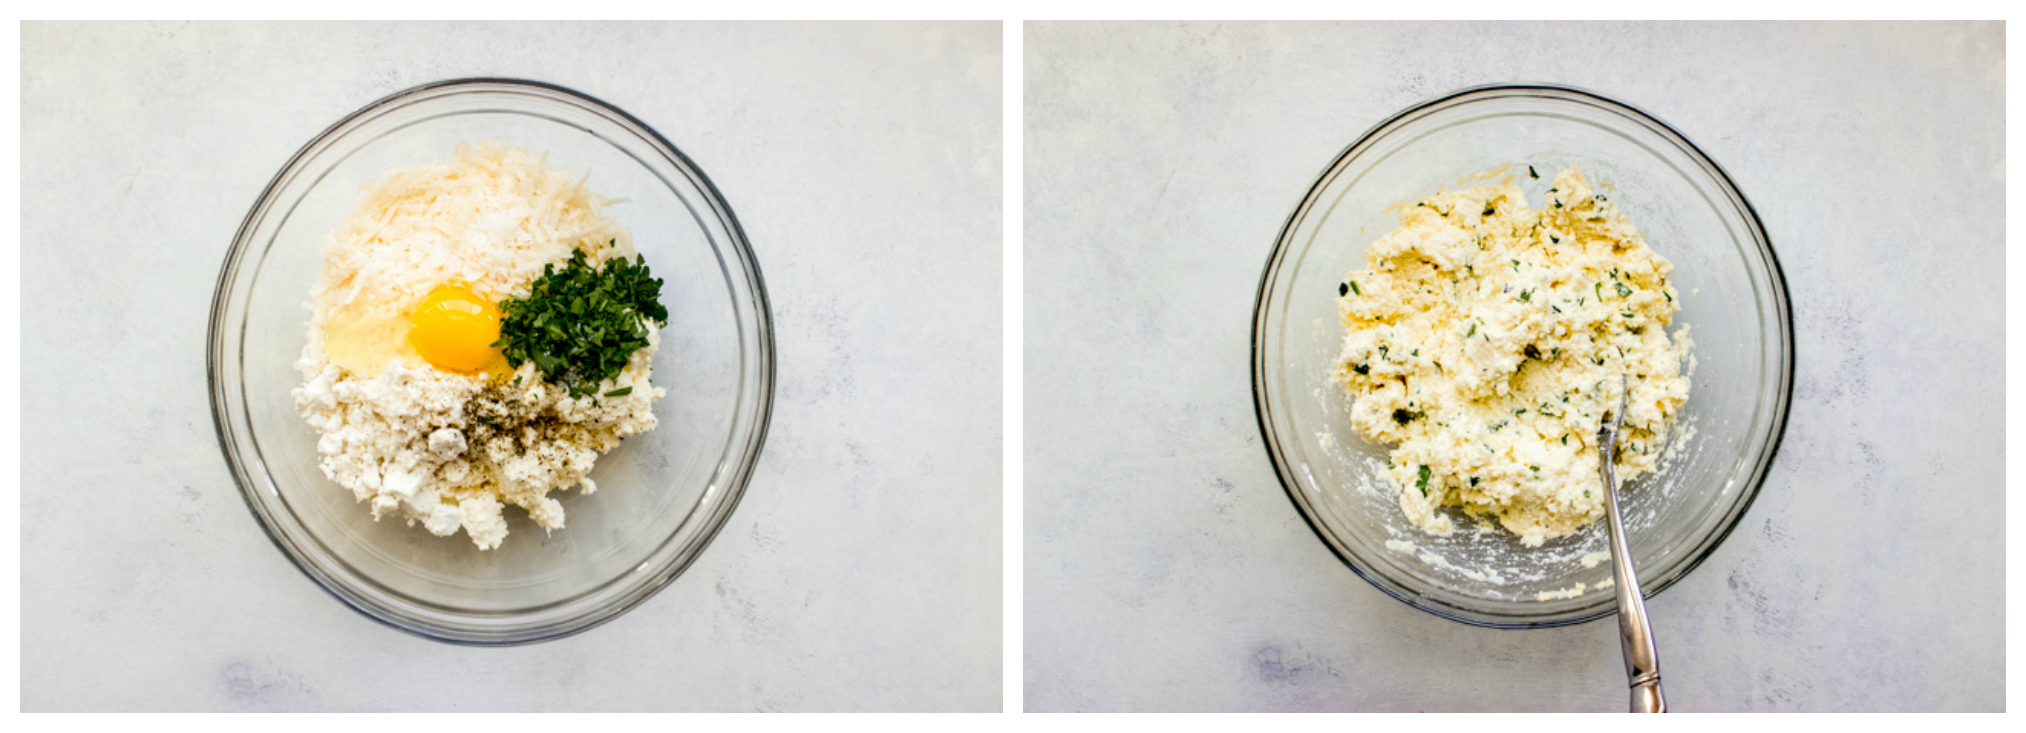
1487,340
451,450
1574,591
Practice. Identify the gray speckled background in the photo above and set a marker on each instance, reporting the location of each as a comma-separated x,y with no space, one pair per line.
860,572
1166,570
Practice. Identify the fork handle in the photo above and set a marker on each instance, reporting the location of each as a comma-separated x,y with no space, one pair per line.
1635,632
1646,697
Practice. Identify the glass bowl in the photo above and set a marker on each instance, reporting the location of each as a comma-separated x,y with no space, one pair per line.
1734,301
662,495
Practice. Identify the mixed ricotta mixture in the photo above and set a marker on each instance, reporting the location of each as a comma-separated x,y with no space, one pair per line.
1487,339
424,410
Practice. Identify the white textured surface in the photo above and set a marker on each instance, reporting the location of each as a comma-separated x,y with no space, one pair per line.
1166,570
860,572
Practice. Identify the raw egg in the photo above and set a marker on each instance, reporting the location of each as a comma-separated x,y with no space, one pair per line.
454,329
363,337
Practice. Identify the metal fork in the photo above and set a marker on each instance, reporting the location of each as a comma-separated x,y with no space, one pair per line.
1642,663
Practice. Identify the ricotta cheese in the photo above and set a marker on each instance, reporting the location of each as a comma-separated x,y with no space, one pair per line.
1486,339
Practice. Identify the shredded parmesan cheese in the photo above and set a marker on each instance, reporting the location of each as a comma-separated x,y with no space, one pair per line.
490,217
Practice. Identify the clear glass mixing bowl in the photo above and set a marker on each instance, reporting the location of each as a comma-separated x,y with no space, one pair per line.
662,495
1734,302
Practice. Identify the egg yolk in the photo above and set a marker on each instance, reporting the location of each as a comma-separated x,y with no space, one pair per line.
455,329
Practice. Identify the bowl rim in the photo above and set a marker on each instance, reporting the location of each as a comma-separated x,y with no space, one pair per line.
735,482
1270,440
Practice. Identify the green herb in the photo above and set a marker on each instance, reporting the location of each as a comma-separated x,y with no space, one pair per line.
620,392
1565,439
1489,209
1362,369
1471,332
1537,469
1526,296
1500,424
1555,309
1532,174
1627,315
1599,288
1670,296
1532,351
1558,240
1600,197
581,324
1422,483
1558,203
1343,290
1473,482
1552,190
1520,411
1623,292
1402,416
1354,288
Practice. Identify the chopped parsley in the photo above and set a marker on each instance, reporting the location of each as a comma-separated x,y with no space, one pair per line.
1532,174
1362,369
581,324
1471,332
1343,290
1623,292
1402,416
1422,483
1489,209
1526,296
